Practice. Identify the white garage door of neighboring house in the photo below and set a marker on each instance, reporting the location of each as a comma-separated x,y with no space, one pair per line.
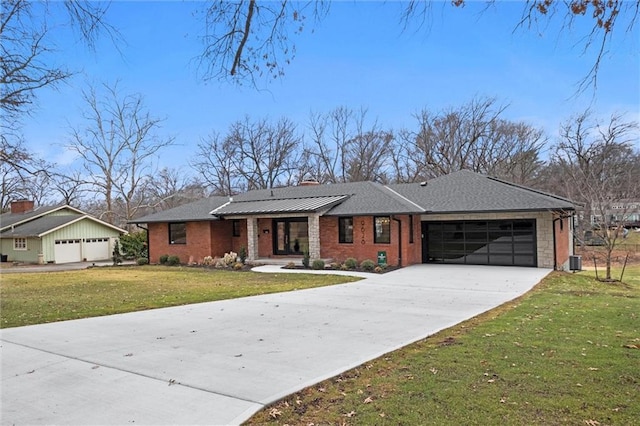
96,249
67,251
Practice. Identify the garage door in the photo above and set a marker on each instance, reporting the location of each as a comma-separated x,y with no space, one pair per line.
496,242
96,249
67,251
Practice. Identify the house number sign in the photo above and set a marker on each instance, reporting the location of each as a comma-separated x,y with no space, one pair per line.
362,241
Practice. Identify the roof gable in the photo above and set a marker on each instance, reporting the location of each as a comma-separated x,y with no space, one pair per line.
9,219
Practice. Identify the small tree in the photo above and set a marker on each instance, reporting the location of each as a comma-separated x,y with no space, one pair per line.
116,255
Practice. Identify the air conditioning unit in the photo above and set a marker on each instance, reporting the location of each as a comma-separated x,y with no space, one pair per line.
575,263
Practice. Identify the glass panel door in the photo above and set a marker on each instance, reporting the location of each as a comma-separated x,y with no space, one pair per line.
291,236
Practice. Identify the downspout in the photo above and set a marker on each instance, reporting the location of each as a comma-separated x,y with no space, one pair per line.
399,240
555,255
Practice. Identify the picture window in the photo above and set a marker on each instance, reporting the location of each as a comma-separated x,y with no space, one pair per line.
178,233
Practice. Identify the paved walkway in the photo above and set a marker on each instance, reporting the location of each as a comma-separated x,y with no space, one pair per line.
220,362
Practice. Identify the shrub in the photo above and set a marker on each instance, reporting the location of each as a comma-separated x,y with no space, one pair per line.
335,265
318,264
143,261
238,266
378,269
242,254
163,259
367,265
208,261
134,245
305,258
230,258
290,265
344,267
173,260
351,263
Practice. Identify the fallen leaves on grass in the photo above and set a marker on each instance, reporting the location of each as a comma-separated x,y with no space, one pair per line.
274,413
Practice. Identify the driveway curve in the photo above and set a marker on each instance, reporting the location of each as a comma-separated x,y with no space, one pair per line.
218,363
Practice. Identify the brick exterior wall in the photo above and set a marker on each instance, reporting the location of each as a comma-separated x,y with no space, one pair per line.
265,240
564,247
363,246
206,238
215,238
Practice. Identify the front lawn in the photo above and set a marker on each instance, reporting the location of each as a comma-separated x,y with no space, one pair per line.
567,353
34,298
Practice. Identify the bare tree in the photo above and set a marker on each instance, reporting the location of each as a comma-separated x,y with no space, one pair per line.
368,157
344,146
117,145
473,137
170,188
215,162
601,162
249,38
26,65
267,154
253,155
69,187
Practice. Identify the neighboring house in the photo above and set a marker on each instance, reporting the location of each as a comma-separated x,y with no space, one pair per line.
620,212
59,234
460,218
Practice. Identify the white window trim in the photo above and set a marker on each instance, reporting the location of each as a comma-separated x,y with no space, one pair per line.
15,245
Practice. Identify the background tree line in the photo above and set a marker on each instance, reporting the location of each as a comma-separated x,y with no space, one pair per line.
118,144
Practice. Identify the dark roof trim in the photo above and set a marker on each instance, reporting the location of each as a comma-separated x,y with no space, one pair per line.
526,188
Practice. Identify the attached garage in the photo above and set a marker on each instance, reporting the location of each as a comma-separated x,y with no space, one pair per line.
489,242
96,249
67,251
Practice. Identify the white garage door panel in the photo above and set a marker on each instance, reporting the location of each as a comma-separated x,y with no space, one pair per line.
67,251
96,249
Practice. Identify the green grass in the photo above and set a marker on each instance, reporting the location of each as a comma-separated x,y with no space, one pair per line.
567,353
35,298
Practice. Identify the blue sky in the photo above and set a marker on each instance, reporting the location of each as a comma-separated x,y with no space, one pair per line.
357,57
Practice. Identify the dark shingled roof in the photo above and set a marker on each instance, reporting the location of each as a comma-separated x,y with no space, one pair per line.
9,219
39,226
458,192
466,191
192,212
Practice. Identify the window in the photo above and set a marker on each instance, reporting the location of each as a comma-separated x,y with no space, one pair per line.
382,230
345,230
177,233
19,243
236,228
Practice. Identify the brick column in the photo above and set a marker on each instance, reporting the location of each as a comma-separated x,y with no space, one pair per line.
314,236
252,238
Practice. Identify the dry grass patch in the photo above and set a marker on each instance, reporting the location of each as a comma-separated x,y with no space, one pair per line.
34,298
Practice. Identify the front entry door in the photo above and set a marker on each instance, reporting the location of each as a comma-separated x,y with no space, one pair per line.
291,236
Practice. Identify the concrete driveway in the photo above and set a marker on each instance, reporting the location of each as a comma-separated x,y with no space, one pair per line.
220,362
